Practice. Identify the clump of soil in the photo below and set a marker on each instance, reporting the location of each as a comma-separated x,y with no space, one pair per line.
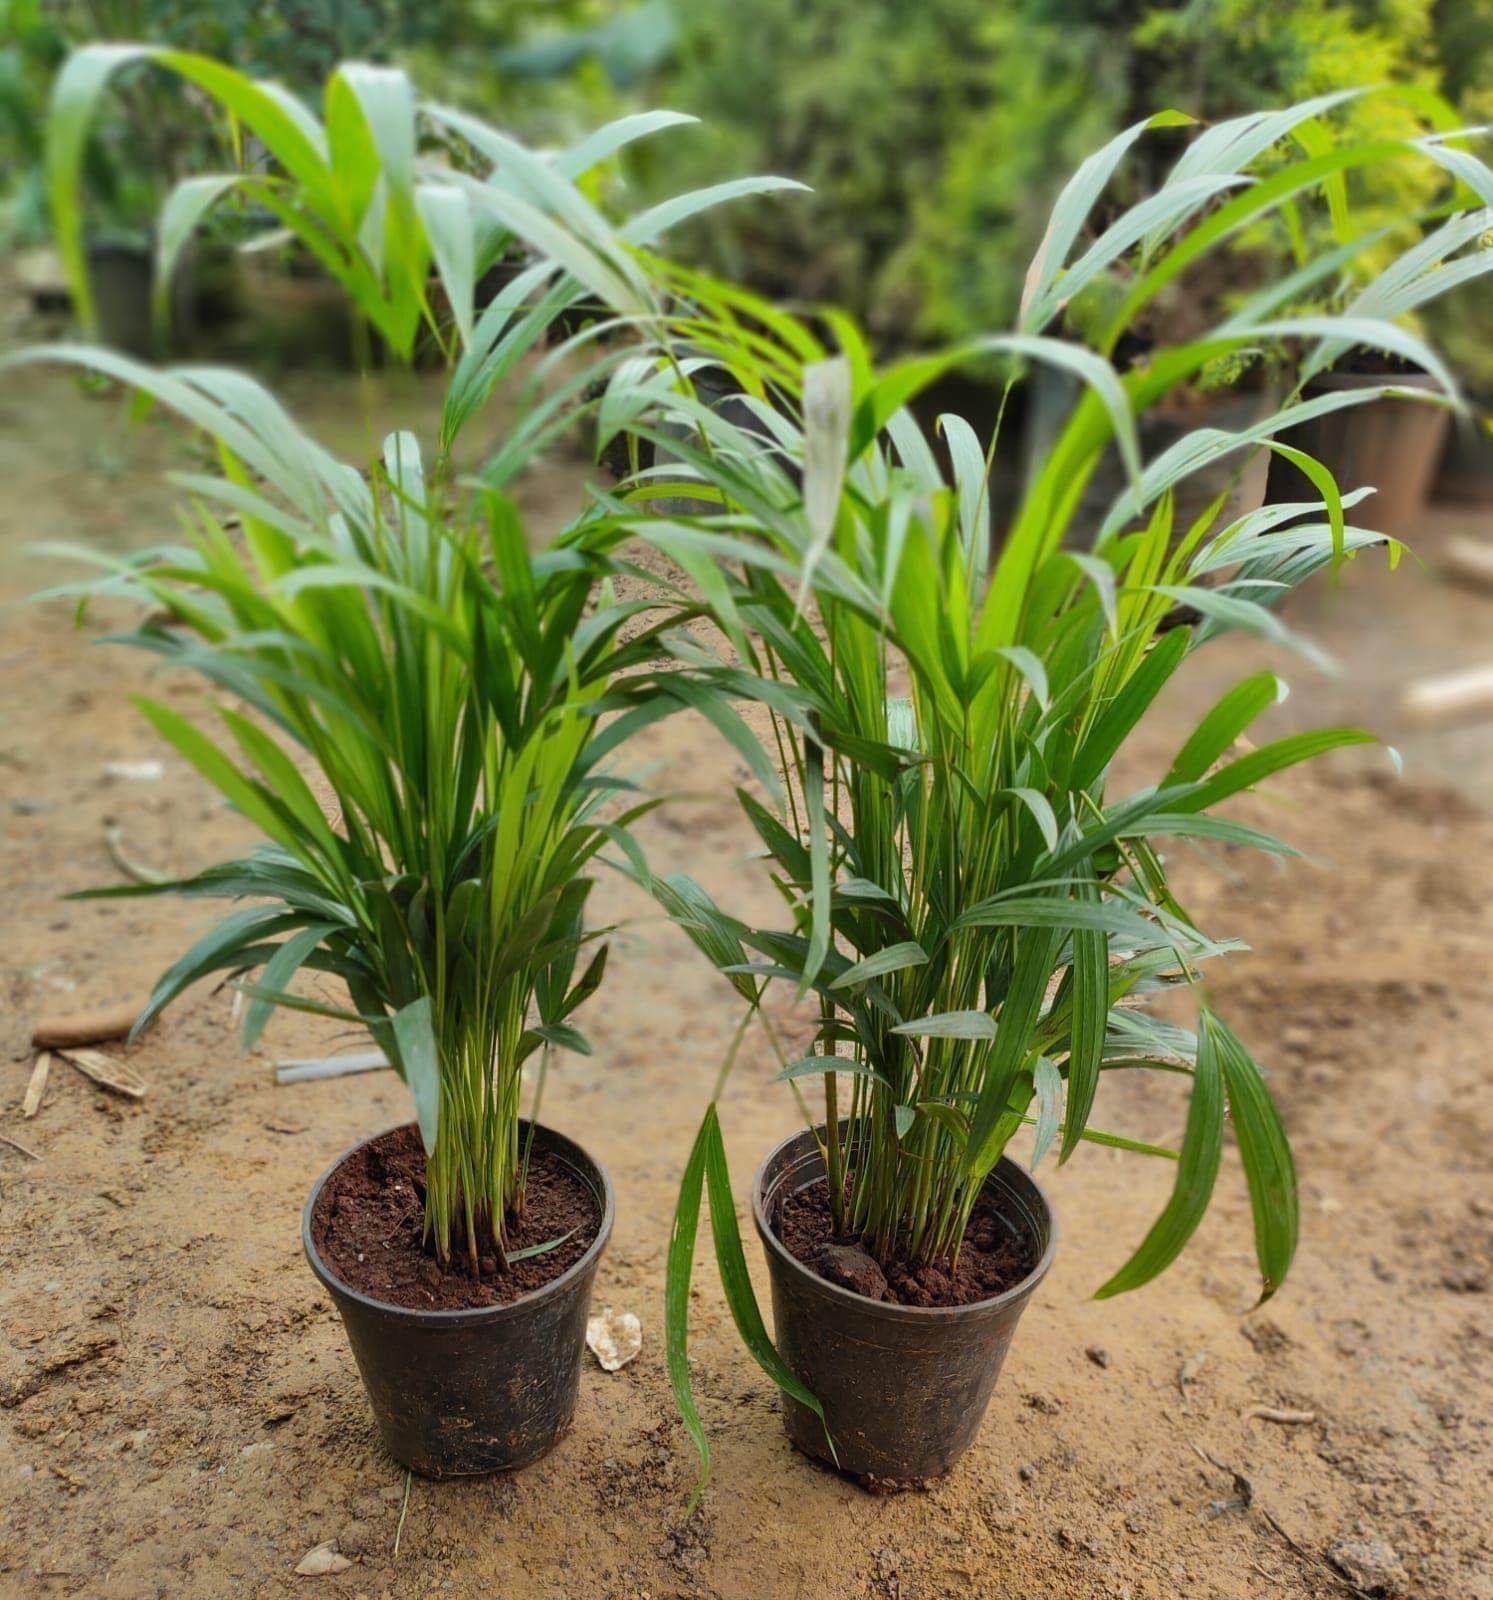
997,1253
368,1226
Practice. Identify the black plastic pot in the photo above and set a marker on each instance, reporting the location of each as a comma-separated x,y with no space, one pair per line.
904,1388
1465,475
456,1393
1391,445
1242,473
121,271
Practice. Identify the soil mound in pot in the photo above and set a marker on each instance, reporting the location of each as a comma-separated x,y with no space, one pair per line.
993,1258
369,1221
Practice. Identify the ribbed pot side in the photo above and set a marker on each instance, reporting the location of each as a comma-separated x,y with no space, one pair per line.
456,1393
1390,445
904,1388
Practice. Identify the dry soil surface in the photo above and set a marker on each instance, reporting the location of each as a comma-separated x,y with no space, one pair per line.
179,1414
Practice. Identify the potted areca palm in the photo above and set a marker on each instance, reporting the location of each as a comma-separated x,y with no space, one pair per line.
413,722
978,919
421,725
444,686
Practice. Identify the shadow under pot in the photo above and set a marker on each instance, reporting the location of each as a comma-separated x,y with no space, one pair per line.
904,1388
482,1389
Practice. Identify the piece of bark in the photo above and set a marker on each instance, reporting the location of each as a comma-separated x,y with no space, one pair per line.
84,1027
37,1087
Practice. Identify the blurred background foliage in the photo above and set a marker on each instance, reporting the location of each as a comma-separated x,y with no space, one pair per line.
932,132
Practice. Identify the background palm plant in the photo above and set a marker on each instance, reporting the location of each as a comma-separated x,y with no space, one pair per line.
981,921
383,190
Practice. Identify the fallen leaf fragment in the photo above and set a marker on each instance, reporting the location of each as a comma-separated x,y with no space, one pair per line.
107,1072
322,1560
614,1338
37,1087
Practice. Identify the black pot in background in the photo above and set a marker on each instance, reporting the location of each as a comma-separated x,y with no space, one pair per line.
904,1388
1391,445
121,273
1243,473
456,1393
1465,474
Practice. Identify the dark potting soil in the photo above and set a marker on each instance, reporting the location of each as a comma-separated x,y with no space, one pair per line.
991,1259
369,1220
1376,364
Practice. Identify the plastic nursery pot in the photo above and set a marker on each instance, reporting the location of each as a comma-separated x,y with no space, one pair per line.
1390,445
456,1393
904,1388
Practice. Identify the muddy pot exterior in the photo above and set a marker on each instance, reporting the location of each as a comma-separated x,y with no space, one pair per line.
904,1388
457,1393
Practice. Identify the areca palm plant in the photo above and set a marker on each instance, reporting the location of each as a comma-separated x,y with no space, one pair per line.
422,709
979,917
413,720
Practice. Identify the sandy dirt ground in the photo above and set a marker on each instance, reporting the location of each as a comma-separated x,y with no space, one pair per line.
179,1413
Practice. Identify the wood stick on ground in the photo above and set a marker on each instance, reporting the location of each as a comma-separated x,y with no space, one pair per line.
84,1027
1280,1414
16,1144
1470,562
37,1087
1450,697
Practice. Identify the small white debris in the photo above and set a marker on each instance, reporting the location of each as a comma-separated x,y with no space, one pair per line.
614,1338
1193,1365
135,771
322,1560
306,1069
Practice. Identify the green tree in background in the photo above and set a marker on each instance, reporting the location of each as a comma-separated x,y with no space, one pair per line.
860,99
932,131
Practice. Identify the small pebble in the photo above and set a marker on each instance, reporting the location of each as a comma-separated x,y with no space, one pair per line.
1370,1564
1098,1355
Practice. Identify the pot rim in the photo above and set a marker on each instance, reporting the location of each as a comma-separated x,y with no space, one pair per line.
892,1310
1329,379
464,1316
